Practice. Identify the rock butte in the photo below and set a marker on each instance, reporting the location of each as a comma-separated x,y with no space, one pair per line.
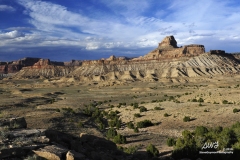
167,61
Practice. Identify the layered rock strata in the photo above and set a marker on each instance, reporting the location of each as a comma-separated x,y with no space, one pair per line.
166,61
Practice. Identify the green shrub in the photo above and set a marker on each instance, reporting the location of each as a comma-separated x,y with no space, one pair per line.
235,110
80,124
104,113
101,126
119,139
171,98
115,123
130,125
145,123
52,101
57,110
189,145
200,100
137,115
130,149
186,119
88,111
117,112
158,108
96,113
143,109
111,133
136,130
166,115
99,119
68,111
112,115
218,129
200,130
135,105
225,102
205,110
112,106
194,100
100,103
171,142
152,150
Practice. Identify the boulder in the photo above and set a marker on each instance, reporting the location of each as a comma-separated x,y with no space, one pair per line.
26,133
15,123
19,122
52,152
13,152
59,137
72,155
103,144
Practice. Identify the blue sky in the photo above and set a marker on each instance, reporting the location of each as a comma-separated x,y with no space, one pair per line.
91,29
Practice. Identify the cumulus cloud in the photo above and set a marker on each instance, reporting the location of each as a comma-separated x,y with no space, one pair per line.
131,25
7,8
11,35
92,46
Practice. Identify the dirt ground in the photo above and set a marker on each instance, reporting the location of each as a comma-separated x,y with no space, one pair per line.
38,101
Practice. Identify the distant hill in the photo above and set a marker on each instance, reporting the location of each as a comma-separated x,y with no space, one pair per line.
167,61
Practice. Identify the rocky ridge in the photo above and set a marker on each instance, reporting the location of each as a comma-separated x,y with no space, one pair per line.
167,61
19,142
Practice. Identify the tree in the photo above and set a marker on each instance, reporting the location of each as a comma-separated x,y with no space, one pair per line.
119,139
152,150
111,133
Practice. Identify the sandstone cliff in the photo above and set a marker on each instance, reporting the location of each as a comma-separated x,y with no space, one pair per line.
167,61
15,66
168,49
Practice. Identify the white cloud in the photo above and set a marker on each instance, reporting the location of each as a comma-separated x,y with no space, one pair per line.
11,35
7,8
92,46
127,8
200,22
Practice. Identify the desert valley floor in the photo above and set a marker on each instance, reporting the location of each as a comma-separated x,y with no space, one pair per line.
42,103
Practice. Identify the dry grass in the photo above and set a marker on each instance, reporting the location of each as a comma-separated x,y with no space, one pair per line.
39,105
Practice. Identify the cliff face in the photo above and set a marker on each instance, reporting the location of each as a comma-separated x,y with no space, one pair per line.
168,49
3,67
15,66
166,61
168,42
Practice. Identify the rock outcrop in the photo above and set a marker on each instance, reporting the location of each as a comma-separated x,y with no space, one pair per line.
3,68
19,122
168,49
168,42
15,66
22,143
217,52
166,61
